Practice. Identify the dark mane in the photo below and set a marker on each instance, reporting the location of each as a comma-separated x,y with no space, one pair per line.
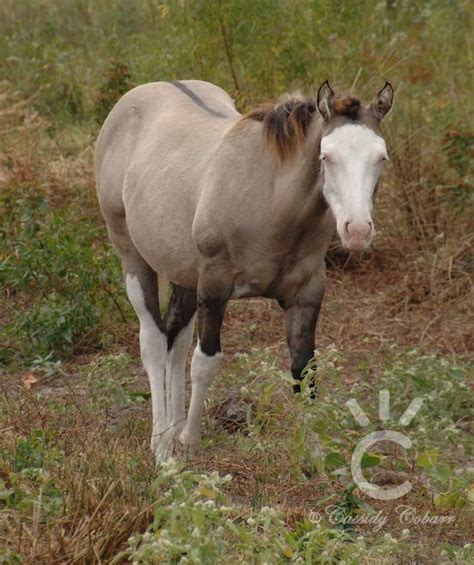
285,123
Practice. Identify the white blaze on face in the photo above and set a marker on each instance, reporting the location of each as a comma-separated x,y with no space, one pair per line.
352,156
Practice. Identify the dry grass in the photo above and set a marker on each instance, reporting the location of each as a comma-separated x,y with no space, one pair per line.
105,500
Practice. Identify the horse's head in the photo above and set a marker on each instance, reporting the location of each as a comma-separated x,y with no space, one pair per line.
352,157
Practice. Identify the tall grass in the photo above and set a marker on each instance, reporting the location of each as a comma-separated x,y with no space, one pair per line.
252,49
64,56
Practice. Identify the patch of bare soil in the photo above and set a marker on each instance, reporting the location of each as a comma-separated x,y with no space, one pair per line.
366,308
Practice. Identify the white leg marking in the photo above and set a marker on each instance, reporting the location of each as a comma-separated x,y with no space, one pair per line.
175,376
153,353
203,369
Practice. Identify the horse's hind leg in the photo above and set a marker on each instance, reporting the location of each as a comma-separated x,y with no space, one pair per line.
179,323
142,290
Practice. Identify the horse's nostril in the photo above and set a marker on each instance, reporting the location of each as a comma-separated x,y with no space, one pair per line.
346,227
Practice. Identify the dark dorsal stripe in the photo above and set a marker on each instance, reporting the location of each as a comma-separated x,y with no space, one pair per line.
196,99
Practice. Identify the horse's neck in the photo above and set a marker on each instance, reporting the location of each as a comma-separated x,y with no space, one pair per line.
298,185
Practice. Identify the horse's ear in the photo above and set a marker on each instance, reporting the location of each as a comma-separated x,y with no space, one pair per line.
382,103
324,100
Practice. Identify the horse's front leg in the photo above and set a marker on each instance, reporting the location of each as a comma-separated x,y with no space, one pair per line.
301,317
214,290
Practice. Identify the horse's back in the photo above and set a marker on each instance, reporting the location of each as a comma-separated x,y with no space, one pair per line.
151,155
155,112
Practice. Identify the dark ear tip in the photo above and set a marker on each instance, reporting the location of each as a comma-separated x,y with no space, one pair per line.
325,86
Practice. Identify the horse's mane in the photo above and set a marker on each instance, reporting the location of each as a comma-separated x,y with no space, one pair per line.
286,122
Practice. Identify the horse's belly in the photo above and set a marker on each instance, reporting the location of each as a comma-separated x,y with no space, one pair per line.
160,228
173,257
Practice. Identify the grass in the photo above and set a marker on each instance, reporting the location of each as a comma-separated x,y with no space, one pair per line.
77,481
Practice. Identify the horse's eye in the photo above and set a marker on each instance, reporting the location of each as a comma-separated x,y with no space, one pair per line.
384,159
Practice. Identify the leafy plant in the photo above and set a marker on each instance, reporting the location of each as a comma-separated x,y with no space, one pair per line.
61,259
110,381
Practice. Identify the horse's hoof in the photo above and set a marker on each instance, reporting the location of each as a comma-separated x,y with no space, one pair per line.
165,446
189,448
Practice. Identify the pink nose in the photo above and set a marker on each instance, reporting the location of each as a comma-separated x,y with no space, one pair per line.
358,229
357,234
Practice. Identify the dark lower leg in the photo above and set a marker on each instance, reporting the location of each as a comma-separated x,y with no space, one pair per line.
213,293
300,323
180,311
179,324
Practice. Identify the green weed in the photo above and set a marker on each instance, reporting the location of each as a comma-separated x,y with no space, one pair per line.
194,522
59,259
111,382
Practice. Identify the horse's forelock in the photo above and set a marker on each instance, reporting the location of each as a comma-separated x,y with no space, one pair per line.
348,106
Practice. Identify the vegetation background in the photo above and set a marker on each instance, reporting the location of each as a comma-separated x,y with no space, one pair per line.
77,483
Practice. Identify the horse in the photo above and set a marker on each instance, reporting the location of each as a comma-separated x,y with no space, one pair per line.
225,205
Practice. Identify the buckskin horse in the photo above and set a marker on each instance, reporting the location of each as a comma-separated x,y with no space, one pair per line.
225,205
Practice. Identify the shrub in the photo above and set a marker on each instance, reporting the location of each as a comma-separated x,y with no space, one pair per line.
117,82
59,272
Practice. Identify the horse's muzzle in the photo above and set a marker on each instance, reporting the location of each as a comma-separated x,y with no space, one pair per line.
357,236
